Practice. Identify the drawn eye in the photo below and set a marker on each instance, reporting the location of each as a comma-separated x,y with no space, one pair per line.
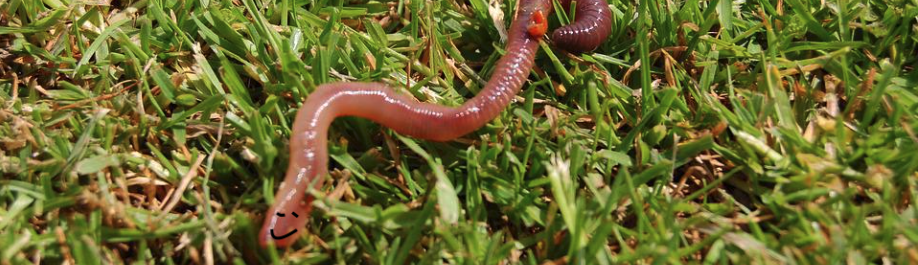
283,215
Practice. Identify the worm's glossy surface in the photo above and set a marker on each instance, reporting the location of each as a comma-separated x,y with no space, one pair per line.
591,26
308,144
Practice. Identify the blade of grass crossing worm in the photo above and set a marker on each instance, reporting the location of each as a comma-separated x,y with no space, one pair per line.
563,16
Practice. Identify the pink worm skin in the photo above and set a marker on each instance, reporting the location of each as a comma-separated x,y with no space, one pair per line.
592,25
376,102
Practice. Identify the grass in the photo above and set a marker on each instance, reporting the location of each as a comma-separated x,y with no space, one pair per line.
703,132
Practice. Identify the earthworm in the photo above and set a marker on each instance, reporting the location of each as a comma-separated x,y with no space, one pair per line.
592,25
376,102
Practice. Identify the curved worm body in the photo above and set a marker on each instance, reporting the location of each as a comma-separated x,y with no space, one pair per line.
591,26
308,146
374,101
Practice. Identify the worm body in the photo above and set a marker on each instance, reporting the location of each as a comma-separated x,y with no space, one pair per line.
591,26
308,145
376,102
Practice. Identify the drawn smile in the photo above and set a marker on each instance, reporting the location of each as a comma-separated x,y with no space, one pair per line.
283,236
287,234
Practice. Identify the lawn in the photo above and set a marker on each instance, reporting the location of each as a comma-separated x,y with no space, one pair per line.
700,132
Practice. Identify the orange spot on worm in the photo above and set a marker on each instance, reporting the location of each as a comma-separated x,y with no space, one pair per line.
538,25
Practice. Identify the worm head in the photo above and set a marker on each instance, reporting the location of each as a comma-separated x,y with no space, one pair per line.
538,24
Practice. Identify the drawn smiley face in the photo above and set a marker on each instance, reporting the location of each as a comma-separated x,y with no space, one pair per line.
287,234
